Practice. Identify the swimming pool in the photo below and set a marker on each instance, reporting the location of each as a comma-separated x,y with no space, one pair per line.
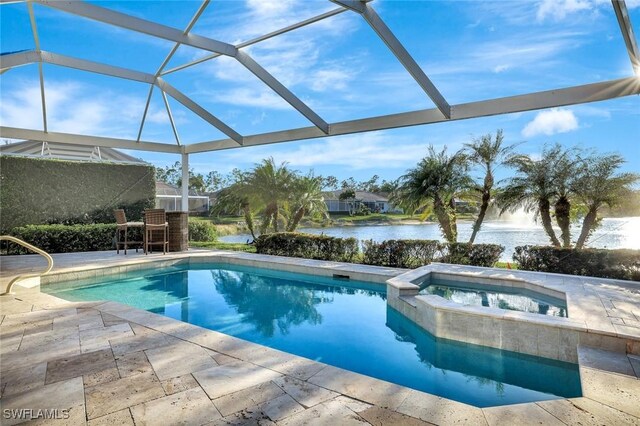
494,296
339,322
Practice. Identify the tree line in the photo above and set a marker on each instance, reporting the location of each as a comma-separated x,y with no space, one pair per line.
561,187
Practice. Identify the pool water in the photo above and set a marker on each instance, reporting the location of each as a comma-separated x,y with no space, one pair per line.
339,322
522,300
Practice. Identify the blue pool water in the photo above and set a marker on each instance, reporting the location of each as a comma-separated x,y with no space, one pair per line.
522,300
343,323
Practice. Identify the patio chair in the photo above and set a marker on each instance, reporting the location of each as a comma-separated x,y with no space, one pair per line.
122,231
155,224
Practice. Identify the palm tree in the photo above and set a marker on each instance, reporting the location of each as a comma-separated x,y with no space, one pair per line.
486,153
306,198
433,185
237,197
535,186
598,184
564,173
270,185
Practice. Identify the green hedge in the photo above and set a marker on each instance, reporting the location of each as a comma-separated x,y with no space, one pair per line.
68,238
37,191
401,253
472,254
202,230
416,253
619,264
308,246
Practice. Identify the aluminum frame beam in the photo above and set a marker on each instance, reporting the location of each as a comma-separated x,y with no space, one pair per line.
122,20
95,67
533,101
272,34
36,40
190,25
173,124
39,135
622,14
397,48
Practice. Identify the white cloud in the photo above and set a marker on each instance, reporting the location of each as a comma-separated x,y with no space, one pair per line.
501,68
555,120
363,151
559,9
74,107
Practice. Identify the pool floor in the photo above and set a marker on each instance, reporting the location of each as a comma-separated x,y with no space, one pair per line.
342,323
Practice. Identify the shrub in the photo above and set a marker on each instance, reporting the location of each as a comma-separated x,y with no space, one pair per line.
202,230
472,254
401,253
619,264
68,238
308,246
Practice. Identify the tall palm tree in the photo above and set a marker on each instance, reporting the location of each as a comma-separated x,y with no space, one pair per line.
534,188
270,184
486,153
599,184
238,197
306,198
433,185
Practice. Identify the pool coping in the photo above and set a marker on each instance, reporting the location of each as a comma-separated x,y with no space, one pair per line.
589,322
353,385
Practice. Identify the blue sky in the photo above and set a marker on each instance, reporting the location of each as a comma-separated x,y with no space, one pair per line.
471,50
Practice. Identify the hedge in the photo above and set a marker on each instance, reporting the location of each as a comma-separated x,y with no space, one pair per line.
202,230
472,254
308,246
416,253
36,191
620,264
68,238
401,253
392,253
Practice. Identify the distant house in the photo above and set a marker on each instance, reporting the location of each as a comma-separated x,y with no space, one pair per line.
168,197
378,203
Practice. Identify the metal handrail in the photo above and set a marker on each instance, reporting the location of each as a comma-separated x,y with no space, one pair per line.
32,248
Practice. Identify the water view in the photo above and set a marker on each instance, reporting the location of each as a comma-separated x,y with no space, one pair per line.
518,230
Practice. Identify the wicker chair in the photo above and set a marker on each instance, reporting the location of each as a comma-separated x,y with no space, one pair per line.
122,234
155,224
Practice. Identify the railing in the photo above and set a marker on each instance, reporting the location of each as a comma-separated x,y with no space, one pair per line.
32,248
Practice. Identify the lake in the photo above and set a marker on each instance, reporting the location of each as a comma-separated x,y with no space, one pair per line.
612,233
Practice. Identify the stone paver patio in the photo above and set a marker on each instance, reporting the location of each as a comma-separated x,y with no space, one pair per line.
107,363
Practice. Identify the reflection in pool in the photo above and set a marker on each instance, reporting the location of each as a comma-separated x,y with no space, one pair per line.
342,323
516,299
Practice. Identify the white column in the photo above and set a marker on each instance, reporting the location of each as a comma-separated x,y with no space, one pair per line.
185,182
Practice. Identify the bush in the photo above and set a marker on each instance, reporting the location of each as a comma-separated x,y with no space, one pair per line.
308,246
202,230
401,253
472,254
618,264
68,238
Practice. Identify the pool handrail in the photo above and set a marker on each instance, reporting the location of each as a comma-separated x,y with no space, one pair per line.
30,275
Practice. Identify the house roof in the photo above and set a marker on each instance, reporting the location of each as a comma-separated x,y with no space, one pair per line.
360,196
167,190
64,151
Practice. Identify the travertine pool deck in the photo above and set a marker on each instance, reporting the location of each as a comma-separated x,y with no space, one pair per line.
108,363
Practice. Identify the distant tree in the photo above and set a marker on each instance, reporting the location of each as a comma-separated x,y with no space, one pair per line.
388,186
370,185
330,183
599,184
535,186
215,181
349,195
349,183
433,186
306,199
487,153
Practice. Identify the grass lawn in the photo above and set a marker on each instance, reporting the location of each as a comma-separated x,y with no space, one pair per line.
504,265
